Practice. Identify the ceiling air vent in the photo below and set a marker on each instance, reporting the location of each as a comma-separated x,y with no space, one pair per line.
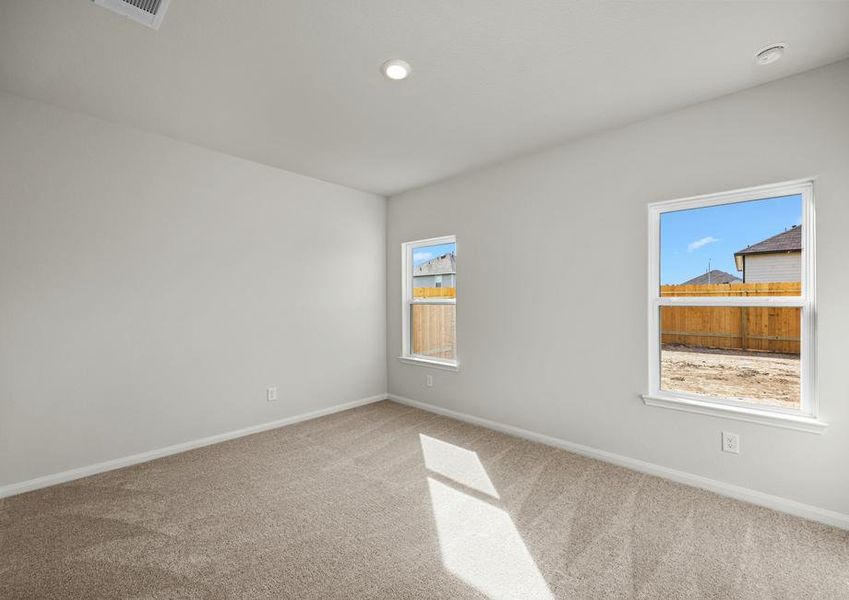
146,12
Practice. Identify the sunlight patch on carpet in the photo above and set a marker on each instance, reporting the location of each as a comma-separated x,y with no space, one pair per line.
457,464
478,540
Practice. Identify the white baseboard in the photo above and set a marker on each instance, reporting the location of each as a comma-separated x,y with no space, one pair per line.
118,463
778,503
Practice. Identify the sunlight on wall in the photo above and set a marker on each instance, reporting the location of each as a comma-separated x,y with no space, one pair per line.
457,464
478,540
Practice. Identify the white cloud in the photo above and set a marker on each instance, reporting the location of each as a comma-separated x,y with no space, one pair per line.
417,256
702,242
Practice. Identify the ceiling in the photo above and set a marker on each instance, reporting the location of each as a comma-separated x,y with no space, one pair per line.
296,83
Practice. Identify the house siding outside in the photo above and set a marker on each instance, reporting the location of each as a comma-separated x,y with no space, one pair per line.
430,281
761,268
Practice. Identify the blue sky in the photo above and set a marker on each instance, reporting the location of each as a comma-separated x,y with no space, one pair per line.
688,238
425,253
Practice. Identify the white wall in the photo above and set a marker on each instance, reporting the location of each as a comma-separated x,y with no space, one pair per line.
763,268
151,290
562,350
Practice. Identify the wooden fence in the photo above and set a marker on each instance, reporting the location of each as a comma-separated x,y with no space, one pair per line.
433,330
764,329
433,325
773,288
443,292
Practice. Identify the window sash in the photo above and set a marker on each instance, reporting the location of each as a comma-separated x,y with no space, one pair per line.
433,301
805,301
765,192
806,404
789,301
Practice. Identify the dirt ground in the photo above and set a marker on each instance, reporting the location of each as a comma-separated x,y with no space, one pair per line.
765,378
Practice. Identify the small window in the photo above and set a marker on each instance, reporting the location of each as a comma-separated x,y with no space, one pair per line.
731,303
430,301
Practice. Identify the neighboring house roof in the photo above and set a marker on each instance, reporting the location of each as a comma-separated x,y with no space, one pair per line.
786,241
715,276
441,265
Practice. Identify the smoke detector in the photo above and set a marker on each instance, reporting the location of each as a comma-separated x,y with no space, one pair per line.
770,54
146,12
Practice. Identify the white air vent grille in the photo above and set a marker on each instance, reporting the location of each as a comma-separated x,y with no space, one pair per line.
146,12
148,6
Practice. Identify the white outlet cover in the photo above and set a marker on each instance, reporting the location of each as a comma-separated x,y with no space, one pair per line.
731,442
272,394
429,380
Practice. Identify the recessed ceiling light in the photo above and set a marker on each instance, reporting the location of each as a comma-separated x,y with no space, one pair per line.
396,69
770,54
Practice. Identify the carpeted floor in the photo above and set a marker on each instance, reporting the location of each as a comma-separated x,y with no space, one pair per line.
387,501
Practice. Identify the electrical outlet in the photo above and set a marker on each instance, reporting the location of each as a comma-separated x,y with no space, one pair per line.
271,394
731,442
429,380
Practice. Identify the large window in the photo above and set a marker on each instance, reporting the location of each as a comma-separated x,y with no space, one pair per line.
430,302
731,305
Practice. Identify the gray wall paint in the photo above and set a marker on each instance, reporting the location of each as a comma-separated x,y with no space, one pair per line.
562,349
151,290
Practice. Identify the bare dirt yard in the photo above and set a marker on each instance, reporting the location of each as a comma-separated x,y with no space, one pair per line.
762,377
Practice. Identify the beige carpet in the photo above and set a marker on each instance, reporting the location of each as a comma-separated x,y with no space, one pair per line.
387,501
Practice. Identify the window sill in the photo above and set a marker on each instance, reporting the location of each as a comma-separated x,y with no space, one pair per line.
752,415
429,362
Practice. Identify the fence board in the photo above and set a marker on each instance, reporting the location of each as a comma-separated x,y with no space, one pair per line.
772,288
433,325
763,329
433,330
444,292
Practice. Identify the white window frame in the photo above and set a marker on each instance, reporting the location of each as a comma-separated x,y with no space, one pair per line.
407,249
805,419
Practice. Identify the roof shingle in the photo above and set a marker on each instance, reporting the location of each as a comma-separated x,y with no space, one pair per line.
715,276
440,265
786,241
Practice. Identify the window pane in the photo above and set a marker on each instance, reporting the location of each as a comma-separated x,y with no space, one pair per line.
746,353
433,330
434,271
742,249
